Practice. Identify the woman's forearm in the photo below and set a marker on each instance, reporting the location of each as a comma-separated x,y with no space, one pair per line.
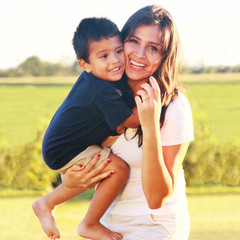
156,180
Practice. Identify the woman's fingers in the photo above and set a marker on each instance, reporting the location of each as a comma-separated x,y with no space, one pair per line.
92,162
148,90
156,88
100,167
98,178
95,174
143,95
138,101
148,101
76,167
86,177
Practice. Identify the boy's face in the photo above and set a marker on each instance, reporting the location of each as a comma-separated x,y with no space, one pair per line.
106,59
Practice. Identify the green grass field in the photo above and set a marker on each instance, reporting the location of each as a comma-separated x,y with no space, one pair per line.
213,217
218,103
25,102
24,106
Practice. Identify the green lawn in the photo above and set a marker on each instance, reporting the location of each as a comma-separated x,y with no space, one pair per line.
24,106
213,217
215,98
24,103
218,103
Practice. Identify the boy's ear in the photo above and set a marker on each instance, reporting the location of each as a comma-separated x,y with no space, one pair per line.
84,65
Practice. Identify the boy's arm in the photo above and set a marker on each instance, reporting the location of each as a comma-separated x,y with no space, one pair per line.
133,120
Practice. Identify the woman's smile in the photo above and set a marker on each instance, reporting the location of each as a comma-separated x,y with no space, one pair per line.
142,52
136,65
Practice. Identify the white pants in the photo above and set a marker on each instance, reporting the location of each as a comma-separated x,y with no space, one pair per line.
148,227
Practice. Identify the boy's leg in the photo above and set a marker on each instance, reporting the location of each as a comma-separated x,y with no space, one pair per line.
105,194
44,208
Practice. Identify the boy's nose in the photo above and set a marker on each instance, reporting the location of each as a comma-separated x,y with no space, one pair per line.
115,58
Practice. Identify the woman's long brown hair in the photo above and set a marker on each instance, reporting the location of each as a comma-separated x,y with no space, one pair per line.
166,75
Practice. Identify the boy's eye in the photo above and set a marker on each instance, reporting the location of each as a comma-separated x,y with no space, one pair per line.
120,51
103,56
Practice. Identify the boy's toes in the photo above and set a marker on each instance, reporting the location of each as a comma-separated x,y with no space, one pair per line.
57,235
54,236
116,236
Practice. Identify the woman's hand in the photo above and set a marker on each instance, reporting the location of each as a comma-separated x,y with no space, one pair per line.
148,104
85,177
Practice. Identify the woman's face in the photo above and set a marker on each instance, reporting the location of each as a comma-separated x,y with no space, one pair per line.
142,53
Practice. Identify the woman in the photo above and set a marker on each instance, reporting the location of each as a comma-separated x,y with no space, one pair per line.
153,203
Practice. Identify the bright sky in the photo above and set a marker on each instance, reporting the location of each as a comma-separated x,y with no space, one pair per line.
209,29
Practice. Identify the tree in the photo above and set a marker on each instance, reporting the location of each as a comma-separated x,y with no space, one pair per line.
32,66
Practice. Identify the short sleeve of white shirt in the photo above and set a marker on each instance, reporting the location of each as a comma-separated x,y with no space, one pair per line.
178,124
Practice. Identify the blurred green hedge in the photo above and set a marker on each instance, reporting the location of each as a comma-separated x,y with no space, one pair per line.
210,163
23,167
205,162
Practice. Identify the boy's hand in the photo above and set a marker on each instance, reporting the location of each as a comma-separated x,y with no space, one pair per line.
120,129
85,177
108,142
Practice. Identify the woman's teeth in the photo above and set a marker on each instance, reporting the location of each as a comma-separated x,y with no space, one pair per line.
136,64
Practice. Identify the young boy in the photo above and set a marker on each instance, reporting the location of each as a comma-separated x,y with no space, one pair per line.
91,112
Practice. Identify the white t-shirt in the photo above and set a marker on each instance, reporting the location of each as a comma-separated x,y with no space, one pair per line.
177,128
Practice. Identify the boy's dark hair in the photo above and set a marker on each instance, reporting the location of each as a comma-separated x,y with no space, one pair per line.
92,29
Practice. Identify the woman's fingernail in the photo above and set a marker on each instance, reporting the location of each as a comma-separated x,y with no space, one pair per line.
108,160
81,166
112,172
99,154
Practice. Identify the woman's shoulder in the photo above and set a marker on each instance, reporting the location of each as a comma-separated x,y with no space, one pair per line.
179,106
178,124
180,101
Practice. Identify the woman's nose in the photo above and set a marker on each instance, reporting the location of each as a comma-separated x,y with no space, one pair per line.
140,52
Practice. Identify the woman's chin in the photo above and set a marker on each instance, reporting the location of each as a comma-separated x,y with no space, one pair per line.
137,77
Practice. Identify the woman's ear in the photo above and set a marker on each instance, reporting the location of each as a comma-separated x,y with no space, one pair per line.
84,65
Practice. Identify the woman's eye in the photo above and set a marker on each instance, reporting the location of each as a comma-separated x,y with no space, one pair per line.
133,40
153,48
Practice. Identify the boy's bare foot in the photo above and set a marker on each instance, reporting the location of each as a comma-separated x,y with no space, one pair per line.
46,218
96,231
